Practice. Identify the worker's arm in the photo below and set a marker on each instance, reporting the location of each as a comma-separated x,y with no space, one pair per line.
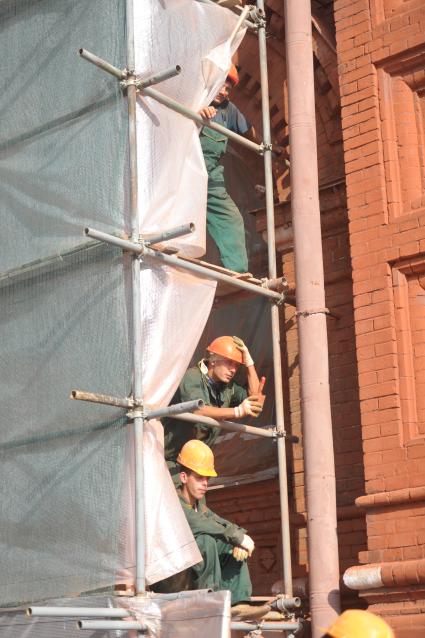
220,414
206,522
249,406
253,380
251,372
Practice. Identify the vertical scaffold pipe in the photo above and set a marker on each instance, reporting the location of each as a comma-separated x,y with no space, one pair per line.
136,309
312,330
277,363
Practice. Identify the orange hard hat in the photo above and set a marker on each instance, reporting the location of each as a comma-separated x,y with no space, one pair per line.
226,347
233,75
197,456
356,623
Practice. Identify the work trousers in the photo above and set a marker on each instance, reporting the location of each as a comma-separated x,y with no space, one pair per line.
226,227
219,570
224,221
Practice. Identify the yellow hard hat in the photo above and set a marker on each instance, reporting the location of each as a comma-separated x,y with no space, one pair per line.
356,623
198,457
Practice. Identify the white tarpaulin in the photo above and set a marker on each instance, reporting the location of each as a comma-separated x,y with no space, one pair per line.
172,184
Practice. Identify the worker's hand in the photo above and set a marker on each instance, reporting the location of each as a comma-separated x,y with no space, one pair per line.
240,554
207,112
248,544
246,357
249,407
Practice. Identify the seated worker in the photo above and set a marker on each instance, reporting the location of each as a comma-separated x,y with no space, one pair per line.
212,381
224,546
224,221
356,623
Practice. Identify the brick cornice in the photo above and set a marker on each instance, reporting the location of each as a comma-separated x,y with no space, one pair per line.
394,497
392,574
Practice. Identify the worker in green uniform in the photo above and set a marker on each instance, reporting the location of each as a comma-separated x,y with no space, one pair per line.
224,546
212,381
224,220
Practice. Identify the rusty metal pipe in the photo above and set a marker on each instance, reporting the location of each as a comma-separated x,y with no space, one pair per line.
313,343
106,399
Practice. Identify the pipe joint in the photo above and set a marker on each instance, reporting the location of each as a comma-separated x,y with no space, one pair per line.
258,18
265,148
138,413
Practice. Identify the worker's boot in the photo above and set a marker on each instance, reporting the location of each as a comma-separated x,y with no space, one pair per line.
249,611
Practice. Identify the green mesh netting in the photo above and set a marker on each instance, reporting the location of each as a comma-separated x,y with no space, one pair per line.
63,320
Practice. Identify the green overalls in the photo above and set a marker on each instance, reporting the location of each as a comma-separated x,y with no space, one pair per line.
224,221
216,538
195,385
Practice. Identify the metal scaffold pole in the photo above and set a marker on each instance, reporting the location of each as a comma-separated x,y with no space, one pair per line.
277,363
136,309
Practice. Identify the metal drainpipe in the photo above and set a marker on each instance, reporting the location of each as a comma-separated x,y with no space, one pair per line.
312,329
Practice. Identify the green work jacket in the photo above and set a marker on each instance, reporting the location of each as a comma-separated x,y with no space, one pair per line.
195,385
203,521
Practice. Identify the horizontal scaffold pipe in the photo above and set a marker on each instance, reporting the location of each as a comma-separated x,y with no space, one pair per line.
102,64
172,260
227,425
106,399
191,115
172,410
265,626
111,625
72,612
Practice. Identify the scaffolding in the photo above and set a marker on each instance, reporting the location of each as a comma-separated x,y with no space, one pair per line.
145,249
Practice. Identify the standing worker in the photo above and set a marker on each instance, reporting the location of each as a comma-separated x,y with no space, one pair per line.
212,381
224,546
224,220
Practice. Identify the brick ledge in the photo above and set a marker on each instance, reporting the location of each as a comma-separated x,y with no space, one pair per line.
378,575
385,499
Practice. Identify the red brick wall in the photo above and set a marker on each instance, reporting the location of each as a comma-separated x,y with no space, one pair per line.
381,56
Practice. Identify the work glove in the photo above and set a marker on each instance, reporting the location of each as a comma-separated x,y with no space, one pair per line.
239,553
249,407
248,544
247,360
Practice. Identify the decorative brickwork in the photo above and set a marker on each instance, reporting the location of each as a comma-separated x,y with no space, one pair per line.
381,49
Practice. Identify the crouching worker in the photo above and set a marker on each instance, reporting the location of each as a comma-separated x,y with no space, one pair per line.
212,381
224,547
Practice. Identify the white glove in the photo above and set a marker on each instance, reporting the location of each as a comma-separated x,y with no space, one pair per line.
248,544
246,357
240,554
249,407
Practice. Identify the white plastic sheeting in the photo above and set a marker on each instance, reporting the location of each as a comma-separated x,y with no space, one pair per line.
203,614
172,185
172,175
